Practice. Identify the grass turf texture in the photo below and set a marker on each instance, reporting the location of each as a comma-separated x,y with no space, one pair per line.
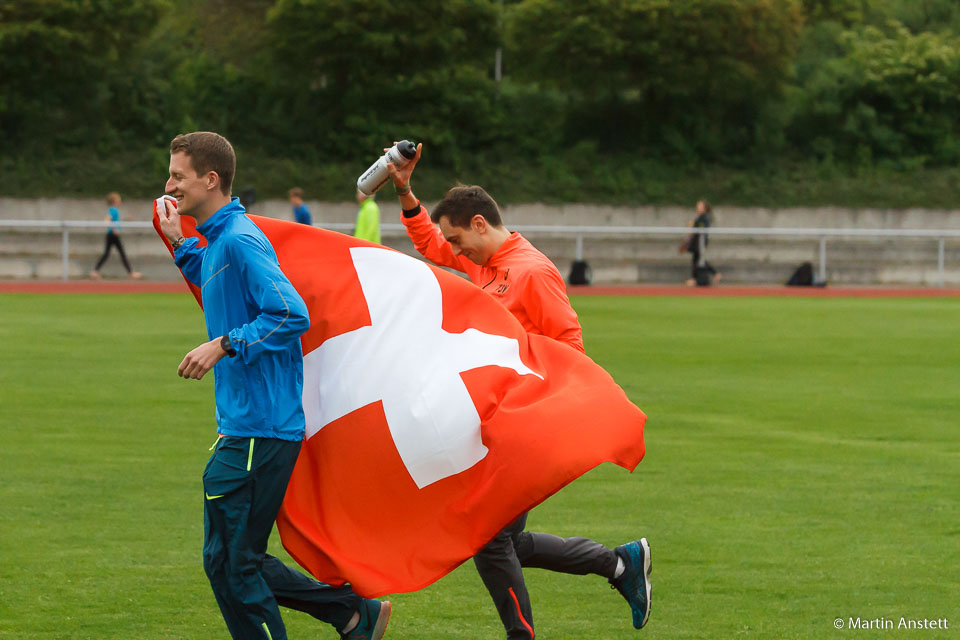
803,463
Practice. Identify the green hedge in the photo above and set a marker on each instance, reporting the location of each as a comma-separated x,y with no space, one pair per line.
582,176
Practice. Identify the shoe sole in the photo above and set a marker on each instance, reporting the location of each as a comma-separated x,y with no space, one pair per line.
382,620
647,570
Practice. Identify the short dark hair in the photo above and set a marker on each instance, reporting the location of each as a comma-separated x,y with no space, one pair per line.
462,202
208,151
296,192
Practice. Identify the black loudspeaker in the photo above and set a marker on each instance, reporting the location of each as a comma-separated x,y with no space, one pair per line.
802,277
580,273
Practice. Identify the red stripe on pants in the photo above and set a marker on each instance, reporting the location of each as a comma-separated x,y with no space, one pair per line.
520,613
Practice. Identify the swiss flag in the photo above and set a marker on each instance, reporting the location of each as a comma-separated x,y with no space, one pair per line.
433,418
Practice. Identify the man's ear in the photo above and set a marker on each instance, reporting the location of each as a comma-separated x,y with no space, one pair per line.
478,223
213,181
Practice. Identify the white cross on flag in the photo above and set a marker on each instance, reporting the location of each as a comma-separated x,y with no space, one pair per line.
432,419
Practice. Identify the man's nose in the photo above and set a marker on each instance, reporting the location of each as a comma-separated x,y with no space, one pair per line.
169,186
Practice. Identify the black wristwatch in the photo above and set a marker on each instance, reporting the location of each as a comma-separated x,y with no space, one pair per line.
226,346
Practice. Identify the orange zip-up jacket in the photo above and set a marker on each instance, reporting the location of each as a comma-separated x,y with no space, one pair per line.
518,275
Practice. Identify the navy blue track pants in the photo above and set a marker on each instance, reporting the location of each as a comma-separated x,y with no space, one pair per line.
244,484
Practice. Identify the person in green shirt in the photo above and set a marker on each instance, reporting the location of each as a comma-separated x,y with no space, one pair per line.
368,218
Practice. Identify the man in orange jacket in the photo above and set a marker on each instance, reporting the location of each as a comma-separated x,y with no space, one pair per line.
472,238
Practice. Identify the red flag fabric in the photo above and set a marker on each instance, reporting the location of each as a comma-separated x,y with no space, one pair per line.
433,419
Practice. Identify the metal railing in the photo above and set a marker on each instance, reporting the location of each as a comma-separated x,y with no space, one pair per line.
577,232
822,234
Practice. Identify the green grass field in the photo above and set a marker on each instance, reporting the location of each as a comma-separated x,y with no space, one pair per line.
803,465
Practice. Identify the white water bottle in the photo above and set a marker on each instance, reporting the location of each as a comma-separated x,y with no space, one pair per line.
377,175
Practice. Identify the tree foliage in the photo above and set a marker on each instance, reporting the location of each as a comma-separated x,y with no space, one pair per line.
594,94
697,76
65,66
363,72
891,95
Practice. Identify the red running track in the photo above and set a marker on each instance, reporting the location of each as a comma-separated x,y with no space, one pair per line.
724,291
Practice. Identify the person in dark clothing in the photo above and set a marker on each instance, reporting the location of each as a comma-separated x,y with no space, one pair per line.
113,239
702,273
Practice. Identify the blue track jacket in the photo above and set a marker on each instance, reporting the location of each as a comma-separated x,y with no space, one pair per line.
245,295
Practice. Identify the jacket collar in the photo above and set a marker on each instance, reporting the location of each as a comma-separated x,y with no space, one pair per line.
215,224
513,242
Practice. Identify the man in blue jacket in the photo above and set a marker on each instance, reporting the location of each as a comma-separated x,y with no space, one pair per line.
254,320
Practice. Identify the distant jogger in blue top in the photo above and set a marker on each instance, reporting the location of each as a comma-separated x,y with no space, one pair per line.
254,320
113,238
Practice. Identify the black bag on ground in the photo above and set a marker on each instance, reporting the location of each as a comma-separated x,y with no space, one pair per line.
580,273
802,277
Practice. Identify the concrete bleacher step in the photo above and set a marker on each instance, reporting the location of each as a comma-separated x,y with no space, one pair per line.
614,258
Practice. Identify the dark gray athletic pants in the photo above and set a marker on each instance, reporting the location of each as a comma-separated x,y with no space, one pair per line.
244,482
500,562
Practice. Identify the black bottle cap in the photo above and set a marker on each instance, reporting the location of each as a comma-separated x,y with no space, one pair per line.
407,149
